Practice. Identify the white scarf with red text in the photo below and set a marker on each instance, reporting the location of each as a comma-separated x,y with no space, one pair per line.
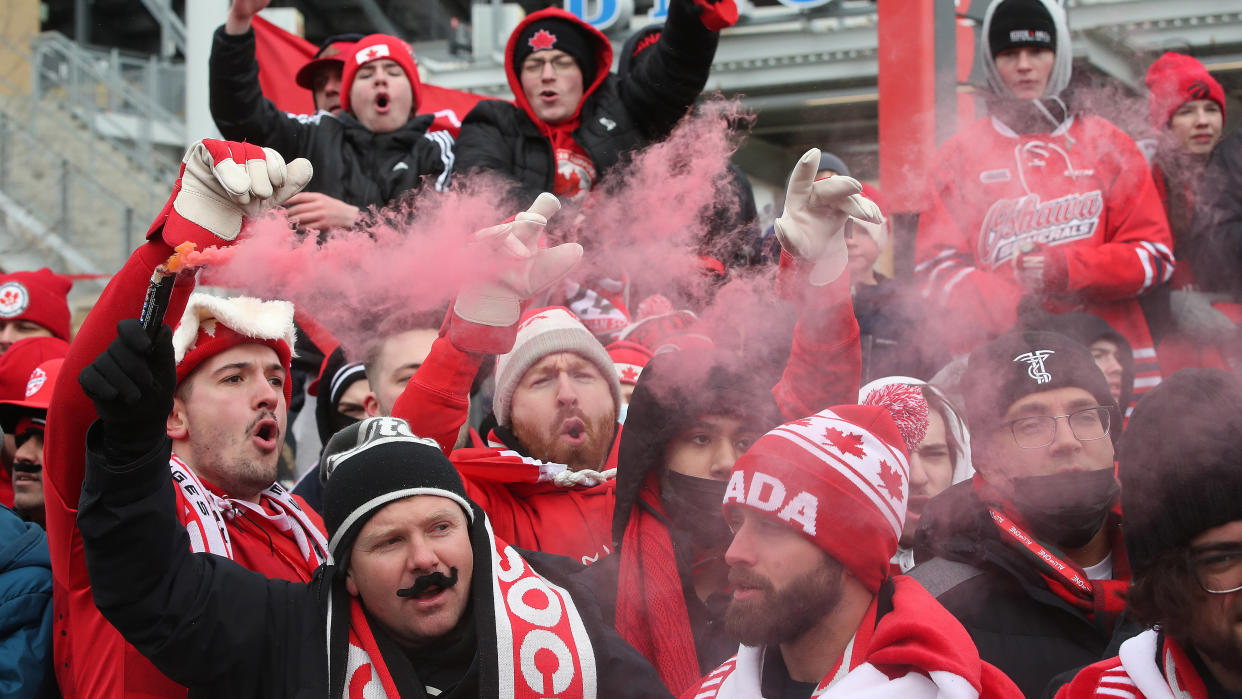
533,616
205,516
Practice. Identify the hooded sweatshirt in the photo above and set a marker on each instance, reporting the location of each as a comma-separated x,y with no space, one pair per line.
617,113
662,537
1075,189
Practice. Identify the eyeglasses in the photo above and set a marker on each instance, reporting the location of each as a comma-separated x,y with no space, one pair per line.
560,65
1218,570
1037,432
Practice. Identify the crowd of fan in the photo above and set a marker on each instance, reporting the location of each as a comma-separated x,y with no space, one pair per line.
1016,474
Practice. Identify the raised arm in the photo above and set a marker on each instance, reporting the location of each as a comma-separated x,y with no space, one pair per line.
668,79
825,361
484,319
238,106
178,608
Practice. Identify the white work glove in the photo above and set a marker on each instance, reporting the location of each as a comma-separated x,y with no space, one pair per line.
221,183
1198,319
812,227
513,269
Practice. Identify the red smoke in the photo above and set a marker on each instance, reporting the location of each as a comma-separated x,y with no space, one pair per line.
644,221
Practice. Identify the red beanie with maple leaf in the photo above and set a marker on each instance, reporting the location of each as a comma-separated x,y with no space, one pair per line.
840,478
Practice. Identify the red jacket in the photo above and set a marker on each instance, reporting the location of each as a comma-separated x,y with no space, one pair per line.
1083,193
528,509
1148,666
92,660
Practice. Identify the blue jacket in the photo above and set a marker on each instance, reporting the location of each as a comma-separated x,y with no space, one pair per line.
25,610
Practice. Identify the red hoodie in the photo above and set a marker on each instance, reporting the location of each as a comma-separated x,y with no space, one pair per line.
575,173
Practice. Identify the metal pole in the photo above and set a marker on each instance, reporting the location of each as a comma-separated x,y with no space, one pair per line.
64,195
82,21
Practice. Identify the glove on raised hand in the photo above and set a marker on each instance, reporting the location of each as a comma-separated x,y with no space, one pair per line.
812,227
1194,314
514,269
222,182
132,384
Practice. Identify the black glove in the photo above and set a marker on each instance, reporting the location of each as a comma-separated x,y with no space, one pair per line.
132,384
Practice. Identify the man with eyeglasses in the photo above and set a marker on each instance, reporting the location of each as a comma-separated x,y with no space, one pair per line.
1028,553
571,118
1181,482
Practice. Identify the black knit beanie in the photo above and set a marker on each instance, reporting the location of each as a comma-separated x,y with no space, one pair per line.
1016,365
373,463
1181,463
335,377
1017,23
561,34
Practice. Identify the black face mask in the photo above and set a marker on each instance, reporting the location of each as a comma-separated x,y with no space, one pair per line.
1069,508
694,507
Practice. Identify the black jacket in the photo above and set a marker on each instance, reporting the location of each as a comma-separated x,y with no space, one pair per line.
1217,260
1018,624
618,114
222,630
352,163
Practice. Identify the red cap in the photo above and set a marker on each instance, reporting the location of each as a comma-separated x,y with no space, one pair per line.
40,297
22,358
330,57
1175,79
373,48
38,395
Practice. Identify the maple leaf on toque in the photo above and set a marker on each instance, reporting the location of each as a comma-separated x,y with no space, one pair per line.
891,480
542,40
845,442
629,374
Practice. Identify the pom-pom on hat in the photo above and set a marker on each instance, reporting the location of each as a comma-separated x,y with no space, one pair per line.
373,463
840,478
211,325
545,331
1175,79
373,48
39,297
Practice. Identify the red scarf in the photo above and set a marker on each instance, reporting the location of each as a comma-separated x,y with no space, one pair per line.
651,606
1102,601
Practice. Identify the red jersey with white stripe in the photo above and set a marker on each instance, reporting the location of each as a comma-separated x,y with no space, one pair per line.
1148,666
1083,190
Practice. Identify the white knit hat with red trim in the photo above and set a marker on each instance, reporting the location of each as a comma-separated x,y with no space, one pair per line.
841,478
545,331
212,324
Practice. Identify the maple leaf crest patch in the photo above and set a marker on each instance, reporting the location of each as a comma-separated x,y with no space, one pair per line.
844,442
542,40
891,480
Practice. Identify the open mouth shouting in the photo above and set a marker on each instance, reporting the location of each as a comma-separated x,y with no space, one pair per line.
574,431
266,434
382,102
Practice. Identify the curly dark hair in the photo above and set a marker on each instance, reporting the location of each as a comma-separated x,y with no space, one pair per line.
1164,592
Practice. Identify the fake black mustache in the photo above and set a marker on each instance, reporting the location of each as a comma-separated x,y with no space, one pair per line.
428,581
